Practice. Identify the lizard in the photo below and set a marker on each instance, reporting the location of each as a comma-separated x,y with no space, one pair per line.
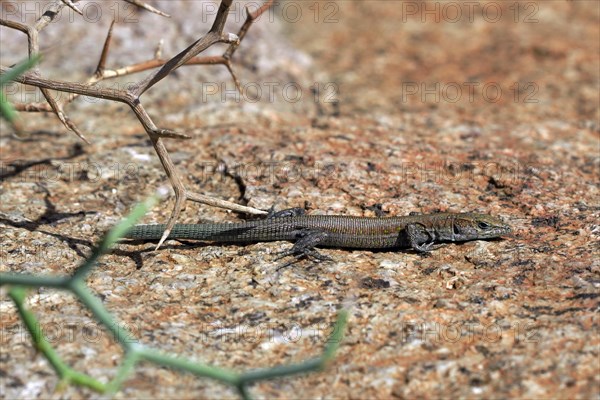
421,232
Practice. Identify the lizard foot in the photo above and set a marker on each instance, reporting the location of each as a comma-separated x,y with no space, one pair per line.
304,248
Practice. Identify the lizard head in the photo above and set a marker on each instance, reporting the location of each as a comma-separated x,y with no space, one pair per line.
477,226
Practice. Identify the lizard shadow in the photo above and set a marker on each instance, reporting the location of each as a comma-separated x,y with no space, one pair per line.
194,244
408,250
82,247
52,215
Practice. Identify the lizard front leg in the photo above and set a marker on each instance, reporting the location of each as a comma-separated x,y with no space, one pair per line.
420,239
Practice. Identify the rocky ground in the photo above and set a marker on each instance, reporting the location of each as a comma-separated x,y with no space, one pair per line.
348,107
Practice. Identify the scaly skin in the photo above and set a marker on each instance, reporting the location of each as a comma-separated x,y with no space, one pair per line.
419,232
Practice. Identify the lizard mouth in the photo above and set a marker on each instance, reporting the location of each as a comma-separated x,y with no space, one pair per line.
498,232
506,231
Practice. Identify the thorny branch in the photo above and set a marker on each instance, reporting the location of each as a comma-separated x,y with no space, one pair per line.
131,97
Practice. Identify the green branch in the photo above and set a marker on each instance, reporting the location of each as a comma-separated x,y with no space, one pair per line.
65,373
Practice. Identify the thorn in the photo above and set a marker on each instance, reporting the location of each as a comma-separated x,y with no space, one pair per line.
57,110
211,201
163,238
72,127
72,6
102,62
148,7
168,133
180,198
236,82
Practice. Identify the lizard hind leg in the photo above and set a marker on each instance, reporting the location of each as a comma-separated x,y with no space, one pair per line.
304,248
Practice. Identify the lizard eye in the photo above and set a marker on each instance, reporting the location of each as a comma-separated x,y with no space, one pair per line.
483,225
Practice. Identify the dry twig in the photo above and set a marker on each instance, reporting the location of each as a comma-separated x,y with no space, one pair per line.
131,96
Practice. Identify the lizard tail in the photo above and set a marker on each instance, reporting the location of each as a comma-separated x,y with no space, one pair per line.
216,232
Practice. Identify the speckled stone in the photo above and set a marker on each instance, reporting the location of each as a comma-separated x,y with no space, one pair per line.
509,318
